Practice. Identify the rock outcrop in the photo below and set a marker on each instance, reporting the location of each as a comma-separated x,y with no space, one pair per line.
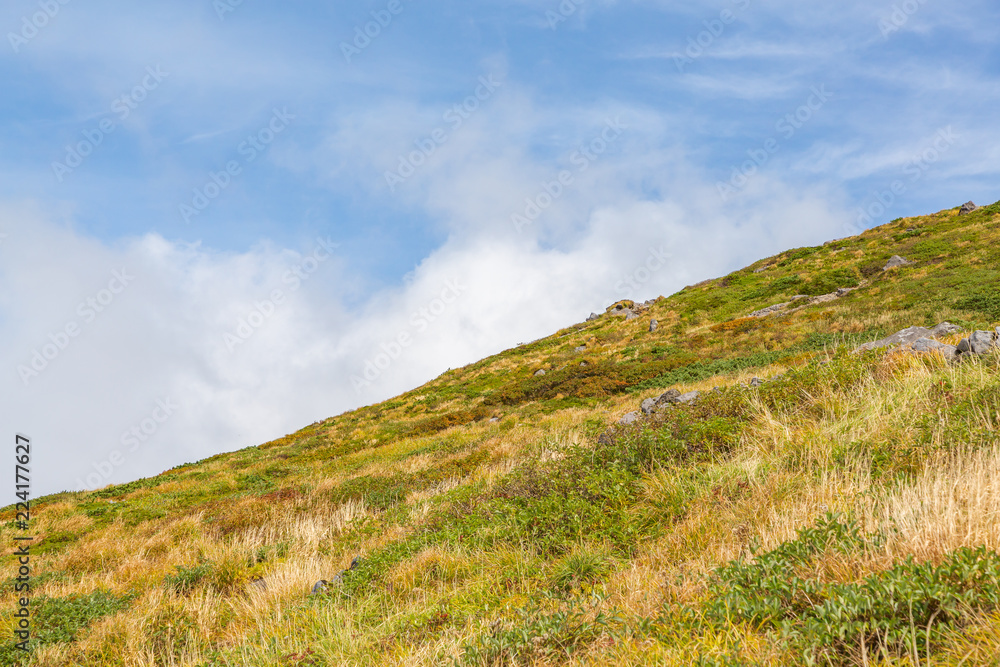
896,261
967,208
922,339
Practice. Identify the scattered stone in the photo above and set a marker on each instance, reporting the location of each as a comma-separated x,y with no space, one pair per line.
649,406
689,397
967,208
799,297
320,587
931,345
946,328
761,269
844,291
896,261
668,397
582,348
540,372
630,418
604,438
904,337
653,325
593,316
980,342
770,310
631,316
583,363
824,298
494,420
756,382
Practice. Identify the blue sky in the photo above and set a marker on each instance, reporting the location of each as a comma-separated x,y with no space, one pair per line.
648,110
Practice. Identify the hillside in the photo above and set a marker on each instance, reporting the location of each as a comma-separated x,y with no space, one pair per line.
841,509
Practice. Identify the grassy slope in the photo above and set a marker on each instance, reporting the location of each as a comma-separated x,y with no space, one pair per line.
525,541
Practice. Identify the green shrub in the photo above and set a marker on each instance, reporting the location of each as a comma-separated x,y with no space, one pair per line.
61,620
893,611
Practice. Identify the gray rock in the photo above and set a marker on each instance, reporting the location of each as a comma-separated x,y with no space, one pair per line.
896,261
906,337
494,420
653,325
582,348
967,208
320,587
844,291
980,342
631,316
945,328
668,397
931,345
756,382
630,418
539,372
604,438
649,406
770,310
689,397
593,316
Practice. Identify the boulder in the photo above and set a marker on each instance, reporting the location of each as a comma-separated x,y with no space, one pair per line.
539,372
909,336
604,438
630,418
755,382
689,397
593,316
896,261
629,316
582,348
967,208
649,406
980,342
653,325
320,587
770,310
945,328
931,345
668,397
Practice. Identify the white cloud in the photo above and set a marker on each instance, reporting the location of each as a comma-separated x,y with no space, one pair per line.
163,336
